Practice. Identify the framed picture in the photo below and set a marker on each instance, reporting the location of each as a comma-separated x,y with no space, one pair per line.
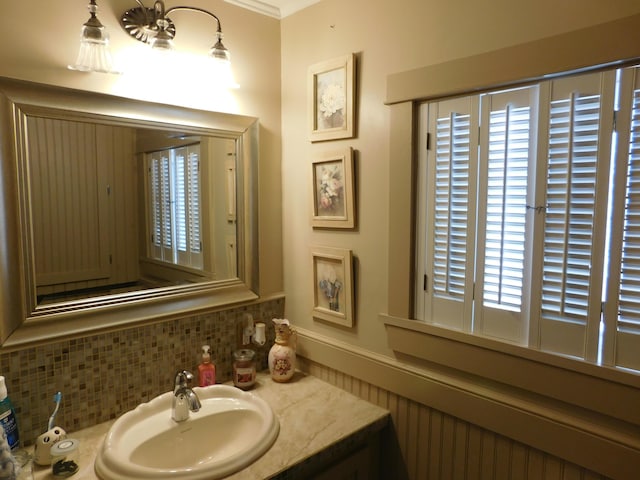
332,285
333,190
331,99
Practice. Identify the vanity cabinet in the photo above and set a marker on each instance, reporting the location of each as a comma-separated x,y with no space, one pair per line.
325,434
363,464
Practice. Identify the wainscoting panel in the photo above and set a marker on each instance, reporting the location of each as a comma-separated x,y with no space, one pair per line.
437,446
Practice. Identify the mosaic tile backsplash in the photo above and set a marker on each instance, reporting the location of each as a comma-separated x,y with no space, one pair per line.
102,376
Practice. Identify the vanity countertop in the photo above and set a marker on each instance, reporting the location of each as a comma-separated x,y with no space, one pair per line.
313,415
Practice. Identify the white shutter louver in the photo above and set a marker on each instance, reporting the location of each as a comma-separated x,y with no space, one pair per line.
573,147
451,205
506,207
622,310
450,225
505,144
629,304
180,195
193,184
575,218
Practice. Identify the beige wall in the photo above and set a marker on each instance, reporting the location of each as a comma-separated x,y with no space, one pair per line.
41,38
388,37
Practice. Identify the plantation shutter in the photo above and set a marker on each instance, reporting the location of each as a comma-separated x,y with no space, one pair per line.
174,194
159,171
193,182
450,172
190,253
505,140
153,168
180,185
580,114
622,312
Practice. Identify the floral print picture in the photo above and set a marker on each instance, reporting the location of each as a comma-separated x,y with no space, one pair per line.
331,99
333,190
330,189
332,285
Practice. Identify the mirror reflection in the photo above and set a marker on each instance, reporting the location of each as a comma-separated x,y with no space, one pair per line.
116,208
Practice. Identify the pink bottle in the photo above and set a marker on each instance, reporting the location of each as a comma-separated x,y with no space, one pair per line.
206,370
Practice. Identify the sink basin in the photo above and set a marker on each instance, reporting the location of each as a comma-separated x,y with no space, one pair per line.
232,429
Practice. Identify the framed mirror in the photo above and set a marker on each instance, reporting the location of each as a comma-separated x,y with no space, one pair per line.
117,212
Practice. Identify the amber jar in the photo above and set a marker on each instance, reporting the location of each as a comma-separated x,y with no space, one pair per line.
244,368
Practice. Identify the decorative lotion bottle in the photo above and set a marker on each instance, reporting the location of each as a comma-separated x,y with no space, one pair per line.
282,356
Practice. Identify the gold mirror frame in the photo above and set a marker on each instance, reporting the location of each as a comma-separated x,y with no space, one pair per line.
23,322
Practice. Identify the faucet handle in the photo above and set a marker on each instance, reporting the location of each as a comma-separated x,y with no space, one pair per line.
183,377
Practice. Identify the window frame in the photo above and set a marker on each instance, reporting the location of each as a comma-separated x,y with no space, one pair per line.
546,380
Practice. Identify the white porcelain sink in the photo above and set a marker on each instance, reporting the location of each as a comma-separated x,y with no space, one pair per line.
232,429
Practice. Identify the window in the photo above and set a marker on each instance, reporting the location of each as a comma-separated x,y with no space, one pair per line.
529,216
174,206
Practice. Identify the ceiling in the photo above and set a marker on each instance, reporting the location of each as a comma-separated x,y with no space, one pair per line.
274,8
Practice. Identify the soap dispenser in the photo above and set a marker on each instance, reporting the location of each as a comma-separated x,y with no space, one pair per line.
206,370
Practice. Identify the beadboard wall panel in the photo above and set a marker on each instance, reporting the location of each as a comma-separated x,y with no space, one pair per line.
116,147
438,446
83,183
67,206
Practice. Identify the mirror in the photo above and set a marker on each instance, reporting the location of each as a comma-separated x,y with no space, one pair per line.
119,211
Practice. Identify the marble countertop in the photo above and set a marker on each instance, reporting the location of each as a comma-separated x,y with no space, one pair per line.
313,415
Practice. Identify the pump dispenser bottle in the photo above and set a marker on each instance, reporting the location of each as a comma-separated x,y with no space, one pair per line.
206,370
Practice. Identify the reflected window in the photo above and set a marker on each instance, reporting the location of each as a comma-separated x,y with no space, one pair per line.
173,207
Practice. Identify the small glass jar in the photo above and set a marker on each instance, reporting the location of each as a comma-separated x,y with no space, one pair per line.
65,456
244,368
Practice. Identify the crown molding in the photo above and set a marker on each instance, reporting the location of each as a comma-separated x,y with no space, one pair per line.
274,8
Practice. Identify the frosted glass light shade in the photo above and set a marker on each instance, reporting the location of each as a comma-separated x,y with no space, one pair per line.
94,54
162,40
219,51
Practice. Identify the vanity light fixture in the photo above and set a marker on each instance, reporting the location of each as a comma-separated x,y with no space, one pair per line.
150,25
153,26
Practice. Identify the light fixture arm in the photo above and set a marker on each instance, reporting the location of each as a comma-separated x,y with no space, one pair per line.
195,9
143,23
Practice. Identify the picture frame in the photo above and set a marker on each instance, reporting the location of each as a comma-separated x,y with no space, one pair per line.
331,99
333,185
332,270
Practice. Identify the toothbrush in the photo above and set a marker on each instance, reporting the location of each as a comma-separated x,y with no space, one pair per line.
57,398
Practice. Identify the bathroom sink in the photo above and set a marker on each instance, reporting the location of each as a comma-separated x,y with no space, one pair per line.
231,430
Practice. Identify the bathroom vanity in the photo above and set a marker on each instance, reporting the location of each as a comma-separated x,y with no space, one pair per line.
325,433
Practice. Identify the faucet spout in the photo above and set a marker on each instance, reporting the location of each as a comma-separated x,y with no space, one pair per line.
185,399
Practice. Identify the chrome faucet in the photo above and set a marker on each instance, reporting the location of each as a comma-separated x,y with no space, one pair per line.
185,400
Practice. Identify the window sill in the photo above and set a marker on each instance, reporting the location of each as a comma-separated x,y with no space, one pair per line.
521,370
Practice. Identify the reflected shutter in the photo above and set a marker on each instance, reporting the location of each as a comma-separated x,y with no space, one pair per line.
158,167
180,195
193,204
